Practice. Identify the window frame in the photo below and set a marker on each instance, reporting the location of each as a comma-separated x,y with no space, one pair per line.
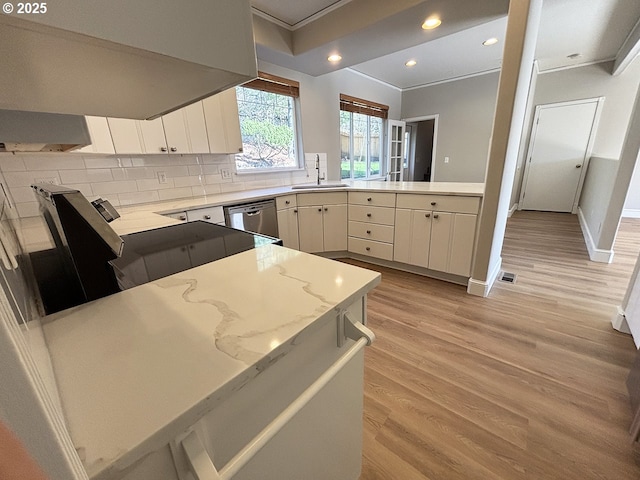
269,83
370,110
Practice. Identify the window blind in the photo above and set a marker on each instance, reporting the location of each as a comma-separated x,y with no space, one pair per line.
274,84
359,105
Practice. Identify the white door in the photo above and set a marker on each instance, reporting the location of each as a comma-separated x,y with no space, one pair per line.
561,141
395,150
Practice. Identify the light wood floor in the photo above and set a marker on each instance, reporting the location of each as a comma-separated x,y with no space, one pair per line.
525,384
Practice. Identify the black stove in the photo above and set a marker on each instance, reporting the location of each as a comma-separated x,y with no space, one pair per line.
161,252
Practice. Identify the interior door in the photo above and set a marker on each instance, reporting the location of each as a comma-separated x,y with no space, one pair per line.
395,149
561,141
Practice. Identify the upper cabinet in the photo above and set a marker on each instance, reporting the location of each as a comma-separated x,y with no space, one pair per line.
105,58
223,123
101,141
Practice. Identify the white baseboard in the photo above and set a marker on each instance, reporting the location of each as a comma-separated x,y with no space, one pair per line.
481,288
595,254
619,321
631,213
513,208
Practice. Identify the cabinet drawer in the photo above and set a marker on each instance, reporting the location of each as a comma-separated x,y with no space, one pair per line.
328,198
373,198
209,214
371,231
286,201
442,203
178,216
371,248
380,215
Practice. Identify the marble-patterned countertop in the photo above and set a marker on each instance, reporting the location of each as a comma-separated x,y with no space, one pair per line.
136,368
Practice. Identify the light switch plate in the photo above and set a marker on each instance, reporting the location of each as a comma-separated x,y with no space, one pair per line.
225,173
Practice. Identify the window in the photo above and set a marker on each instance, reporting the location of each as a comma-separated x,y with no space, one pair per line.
268,111
361,137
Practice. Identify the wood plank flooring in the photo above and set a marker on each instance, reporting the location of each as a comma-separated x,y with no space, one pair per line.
525,384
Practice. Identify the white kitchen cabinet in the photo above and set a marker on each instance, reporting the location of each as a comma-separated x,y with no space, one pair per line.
152,135
322,222
178,216
186,131
222,122
435,239
125,135
208,214
101,141
287,213
371,224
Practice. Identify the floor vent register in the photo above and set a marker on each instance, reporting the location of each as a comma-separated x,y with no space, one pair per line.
507,277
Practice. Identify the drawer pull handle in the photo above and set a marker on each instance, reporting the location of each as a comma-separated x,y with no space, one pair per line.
369,215
369,199
368,249
427,215
435,216
207,217
287,202
368,232
433,203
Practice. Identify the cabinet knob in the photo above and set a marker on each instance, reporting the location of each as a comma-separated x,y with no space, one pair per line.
326,209
287,202
435,216
369,199
427,215
173,149
207,217
433,203
319,209
368,249
295,210
369,215
368,232
182,217
578,166
240,149
163,149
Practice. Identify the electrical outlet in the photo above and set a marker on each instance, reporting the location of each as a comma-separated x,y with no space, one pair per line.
446,159
225,173
49,180
162,177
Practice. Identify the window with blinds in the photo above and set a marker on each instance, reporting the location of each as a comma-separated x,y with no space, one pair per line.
268,109
361,137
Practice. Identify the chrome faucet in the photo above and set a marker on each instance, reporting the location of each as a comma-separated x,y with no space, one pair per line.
318,168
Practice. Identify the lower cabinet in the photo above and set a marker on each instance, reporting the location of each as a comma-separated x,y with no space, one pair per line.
441,241
288,227
323,228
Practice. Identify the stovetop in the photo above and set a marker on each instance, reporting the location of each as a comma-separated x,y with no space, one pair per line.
157,253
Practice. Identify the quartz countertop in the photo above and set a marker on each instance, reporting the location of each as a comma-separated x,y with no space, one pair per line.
136,368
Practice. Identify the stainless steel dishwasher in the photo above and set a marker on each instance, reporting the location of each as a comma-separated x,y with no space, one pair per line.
258,217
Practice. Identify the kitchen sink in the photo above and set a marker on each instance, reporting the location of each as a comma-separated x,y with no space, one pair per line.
323,185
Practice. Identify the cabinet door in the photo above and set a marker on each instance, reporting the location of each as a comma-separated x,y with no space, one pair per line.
334,227
101,141
125,135
310,228
288,227
223,123
402,237
152,133
420,238
196,128
175,131
462,240
440,240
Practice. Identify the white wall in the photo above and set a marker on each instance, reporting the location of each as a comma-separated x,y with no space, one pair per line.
126,180
632,203
466,108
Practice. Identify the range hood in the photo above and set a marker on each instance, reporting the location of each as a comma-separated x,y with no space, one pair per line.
128,59
42,132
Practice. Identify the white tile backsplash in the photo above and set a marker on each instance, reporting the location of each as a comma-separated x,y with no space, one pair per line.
129,180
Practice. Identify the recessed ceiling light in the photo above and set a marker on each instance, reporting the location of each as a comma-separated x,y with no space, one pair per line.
334,58
573,56
431,22
411,63
490,41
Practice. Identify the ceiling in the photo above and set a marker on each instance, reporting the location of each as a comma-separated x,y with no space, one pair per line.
377,37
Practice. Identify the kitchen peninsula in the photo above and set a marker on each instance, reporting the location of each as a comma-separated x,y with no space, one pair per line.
220,349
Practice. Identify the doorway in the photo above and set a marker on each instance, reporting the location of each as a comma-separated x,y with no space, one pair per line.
562,138
421,147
